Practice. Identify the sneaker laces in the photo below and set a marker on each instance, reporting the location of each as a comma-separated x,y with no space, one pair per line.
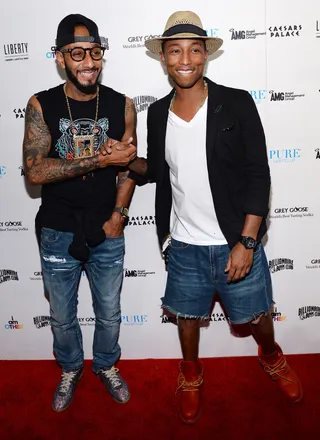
113,376
189,386
278,369
66,379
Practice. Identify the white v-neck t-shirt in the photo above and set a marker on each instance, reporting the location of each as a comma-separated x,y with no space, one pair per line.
193,218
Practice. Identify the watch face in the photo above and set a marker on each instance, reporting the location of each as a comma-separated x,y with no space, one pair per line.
125,212
248,242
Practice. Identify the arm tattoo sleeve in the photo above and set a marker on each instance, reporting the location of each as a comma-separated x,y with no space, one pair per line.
123,177
130,108
36,145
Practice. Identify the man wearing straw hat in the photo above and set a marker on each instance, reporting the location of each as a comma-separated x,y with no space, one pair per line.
207,155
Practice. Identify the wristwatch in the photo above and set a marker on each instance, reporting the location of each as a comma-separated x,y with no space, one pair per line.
123,211
248,242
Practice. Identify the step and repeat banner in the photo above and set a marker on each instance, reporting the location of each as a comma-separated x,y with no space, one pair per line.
272,49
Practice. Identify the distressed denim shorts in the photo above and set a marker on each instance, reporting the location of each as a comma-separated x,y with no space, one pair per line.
196,273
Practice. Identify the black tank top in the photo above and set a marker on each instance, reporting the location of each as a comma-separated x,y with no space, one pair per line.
92,196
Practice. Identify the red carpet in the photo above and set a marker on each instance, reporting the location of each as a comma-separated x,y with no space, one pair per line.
241,402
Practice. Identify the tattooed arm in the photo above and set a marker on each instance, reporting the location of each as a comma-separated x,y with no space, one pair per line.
41,169
125,186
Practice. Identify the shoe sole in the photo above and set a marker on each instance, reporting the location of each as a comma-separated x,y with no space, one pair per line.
61,410
119,401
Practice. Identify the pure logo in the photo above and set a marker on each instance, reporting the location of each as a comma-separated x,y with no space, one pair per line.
285,155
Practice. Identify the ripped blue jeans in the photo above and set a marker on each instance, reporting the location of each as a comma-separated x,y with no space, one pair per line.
61,274
195,273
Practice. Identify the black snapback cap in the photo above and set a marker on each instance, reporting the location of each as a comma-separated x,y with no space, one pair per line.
65,33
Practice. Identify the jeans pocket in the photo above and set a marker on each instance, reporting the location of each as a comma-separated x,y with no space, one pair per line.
175,244
49,235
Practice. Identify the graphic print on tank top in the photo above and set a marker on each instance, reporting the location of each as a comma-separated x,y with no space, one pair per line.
83,127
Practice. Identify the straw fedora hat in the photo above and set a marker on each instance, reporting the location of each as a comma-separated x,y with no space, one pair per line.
184,24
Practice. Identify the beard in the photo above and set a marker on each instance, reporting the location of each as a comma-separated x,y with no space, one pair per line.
87,89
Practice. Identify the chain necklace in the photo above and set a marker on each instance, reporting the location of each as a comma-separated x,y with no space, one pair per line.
203,98
83,145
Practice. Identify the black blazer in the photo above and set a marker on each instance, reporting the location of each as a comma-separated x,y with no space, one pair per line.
237,161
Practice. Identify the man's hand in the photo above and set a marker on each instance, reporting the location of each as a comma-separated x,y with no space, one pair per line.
114,226
112,145
239,263
117,153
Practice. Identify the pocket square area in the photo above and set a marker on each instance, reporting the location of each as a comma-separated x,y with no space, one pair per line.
228,128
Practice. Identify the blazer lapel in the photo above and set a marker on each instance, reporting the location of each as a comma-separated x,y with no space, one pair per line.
215,105
162,128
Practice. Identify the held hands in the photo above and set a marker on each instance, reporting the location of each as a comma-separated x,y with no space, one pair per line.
117,153
239,263
114,226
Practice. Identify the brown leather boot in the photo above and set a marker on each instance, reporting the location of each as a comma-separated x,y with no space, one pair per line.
189,391
277,367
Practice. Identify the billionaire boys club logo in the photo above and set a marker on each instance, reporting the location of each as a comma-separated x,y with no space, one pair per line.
134,273
285,155
15,51
308,312
19,113
293,212
142,102
12,226
135,41
13,325
276,315
41,321
8,275
250,34
142,220
285,31
284,96
279,264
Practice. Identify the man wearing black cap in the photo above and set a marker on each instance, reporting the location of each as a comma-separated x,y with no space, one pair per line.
207,155
85,199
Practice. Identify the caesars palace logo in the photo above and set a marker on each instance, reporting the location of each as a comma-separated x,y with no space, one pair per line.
141,220
285,31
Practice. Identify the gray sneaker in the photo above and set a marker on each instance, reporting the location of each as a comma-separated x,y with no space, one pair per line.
116,386
65,390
